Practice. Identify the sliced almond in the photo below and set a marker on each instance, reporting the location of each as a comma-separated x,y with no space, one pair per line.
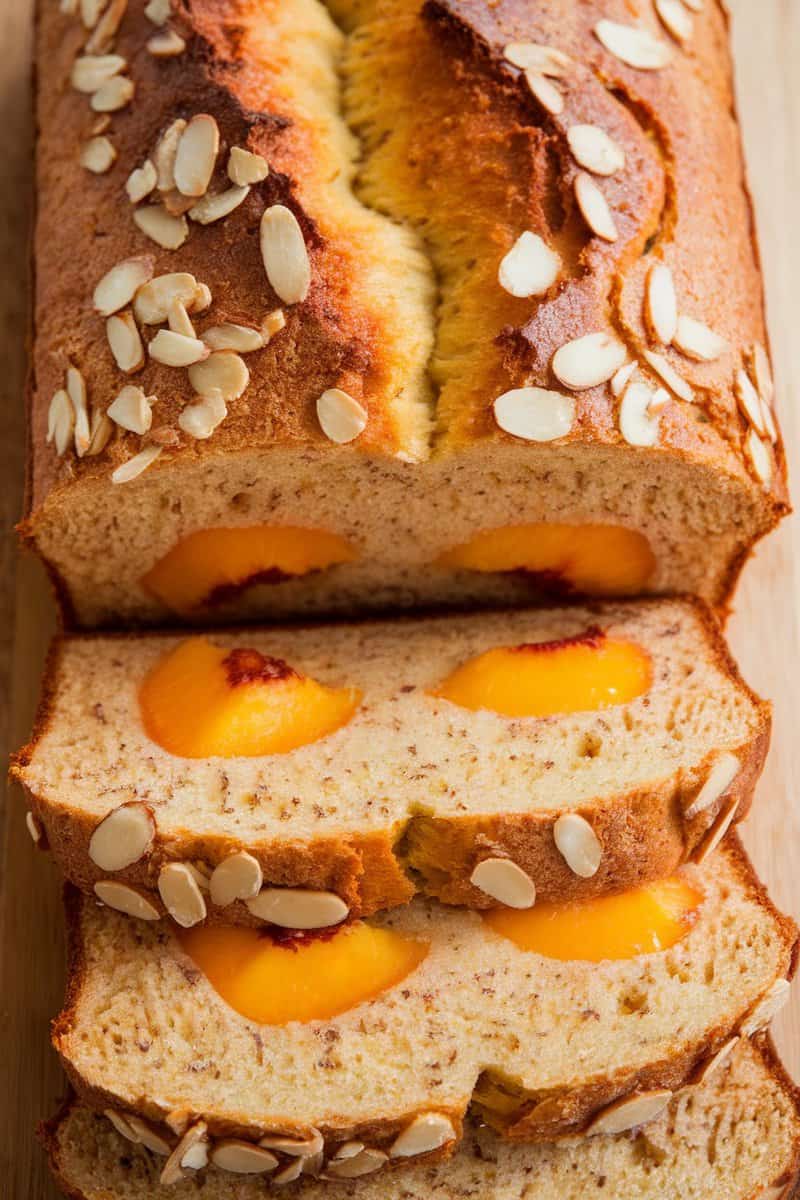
201,419
290,1173
181,894
546,92
505,882
98,155
196,1157
633,46
578,844
273,323
76,389
125,341
637,423
245,167
196,155
768,1006
238,877
621,379
121,1124
749,400
530,56
165,154
530,268
33,827
760,457
716,1061
285,256
90,12
364,1163
295,1147
131,410
105,30
341,418
347,1150
761,372
126,899
593,149
166,44
91,71
427,1132
118,286
141,182
240,338
153,301
298,908
696,6
697,341
222,372
161,227
176,350
724,770
179,319
191,1149
666,372
631,1112
243,1158
113,95
100,432
722,823
148,1136
158,11
661,304
123,837
535,414
135,466
60,421
589,361
214,208
676,19
769,422
594,208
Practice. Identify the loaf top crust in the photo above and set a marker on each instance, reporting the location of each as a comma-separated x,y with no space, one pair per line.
404,311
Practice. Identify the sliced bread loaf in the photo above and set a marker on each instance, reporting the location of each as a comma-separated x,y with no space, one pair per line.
734,1137
547,1046
414,791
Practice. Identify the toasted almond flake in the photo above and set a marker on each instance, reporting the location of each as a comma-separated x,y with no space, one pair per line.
622,378
427,1132
697,341
749,400
181,894
60,421
165,153
505,882
76,388
125,341
196,1157
546,92
676,19
176,350
201,419
192,1146
243,1158
179,319
101,124
126,899
305,1147
769,422
290,1173
196,155
141,182
761,372
341,418
661,304
530,267
273,323
166,44
594,208
348,1150
298,908
119,285
98,155
240,338
245,167
153,301
354,1166
759,454
161,227
121,1124
285,255
69,7
131,410
214,208
90,12
636,424
667,373
105,31
768,1006
201,300
237,877
33,827
313,1164
535,414
720,826
630,1112
659,401
716,1061
593,149
123,837
113,95
158,11
696,6
100,431
134,467
529,56
578,844
91,71
589,361
633,46
148,1136
223,372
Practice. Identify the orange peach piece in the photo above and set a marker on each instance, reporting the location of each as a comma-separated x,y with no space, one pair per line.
202,700
640,921
308,979
540,679
596,560
209,566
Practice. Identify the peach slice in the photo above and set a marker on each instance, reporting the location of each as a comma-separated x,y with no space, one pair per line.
597,560
201,700
273,981
640,921
212,565
539,679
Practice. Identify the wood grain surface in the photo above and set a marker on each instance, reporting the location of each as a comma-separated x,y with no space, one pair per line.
764,629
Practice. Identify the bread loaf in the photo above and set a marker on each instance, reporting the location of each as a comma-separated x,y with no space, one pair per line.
413,214
416,790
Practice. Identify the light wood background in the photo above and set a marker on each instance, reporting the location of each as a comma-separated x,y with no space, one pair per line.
765,629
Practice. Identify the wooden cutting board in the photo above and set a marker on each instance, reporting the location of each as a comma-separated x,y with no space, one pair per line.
765,627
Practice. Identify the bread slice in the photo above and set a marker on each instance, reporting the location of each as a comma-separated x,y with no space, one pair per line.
546,1046
734,1137
414,791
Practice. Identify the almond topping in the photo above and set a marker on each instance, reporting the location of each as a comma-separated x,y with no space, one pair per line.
33,827
134,467
675,19
176,350
530,267
770,1003
427,1132
125,341
122,838
722,823
638,423
113,95
285,256
90,12
761,372
214,208
622,378
98,155
529,56
633,46
196,155
722,774
166,44
222,372
119,285
578,844
661,304
201,419
545,92
534,413
589,361
593,149
76,388
60,421
295,1147
298,908
242,1157
240,338
665,370
273,323
91,71
769,422
505,882
191,1151
238,877
148,1136
713,1064
106,29
121,1124
201,300
100,432
352,1167
696,6
697,341
348,1150
126,899
631,1111
158,11
161,227
245,168
759,454
141,182
165,153
181,894
341,418
594,208
290,1173
179,319
749,400
153,301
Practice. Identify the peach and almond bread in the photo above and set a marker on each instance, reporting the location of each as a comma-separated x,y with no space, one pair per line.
380,302
308,775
